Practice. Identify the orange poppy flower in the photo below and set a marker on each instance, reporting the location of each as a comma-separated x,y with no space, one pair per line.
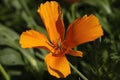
82,30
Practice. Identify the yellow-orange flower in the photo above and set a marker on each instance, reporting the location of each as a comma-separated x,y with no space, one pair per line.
82,30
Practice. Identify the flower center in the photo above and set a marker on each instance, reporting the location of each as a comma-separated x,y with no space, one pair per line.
59,49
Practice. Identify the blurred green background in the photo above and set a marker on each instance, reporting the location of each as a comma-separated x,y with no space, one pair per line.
101,59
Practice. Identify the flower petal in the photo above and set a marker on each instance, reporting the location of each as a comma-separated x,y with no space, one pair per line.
58,66
32,38
83,30
51,17
75,53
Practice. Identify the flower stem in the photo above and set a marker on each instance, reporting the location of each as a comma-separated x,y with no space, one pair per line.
78,72
5,75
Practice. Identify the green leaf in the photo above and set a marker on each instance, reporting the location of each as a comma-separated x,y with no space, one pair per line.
104,5
9,56
16,4
6,31
8,37
105,56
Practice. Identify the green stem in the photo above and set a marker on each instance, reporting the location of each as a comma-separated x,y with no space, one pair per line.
5,75
78,72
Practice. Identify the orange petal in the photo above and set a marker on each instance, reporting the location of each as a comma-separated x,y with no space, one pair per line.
75,53
57,66
51,17
32,38
83,30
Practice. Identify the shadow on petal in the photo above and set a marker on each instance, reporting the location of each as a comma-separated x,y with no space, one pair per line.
58,72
